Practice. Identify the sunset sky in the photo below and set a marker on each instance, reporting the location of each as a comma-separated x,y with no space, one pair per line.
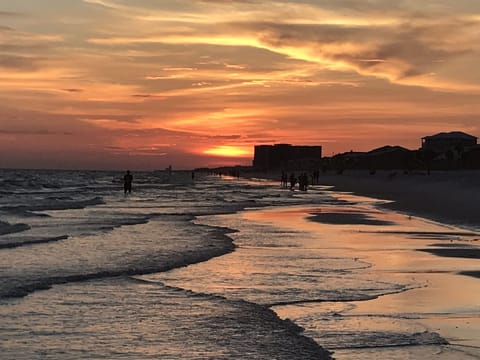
144,84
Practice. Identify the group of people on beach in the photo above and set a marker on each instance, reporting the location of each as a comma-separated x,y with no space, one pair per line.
286,181
292,180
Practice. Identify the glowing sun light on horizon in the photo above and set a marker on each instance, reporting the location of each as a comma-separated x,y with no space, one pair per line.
228,151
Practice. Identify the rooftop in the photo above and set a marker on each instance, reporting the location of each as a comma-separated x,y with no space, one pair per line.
451,135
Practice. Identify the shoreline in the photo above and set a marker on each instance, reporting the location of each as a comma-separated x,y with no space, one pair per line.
409,260
452,198
449,197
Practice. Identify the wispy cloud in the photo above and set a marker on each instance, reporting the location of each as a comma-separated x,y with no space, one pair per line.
34,132
10,14
406,53
18,62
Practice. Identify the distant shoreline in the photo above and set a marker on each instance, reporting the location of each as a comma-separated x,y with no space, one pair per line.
451,197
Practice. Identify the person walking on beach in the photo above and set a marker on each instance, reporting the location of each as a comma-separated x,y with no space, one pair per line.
293,181
127,182
284,180
303,181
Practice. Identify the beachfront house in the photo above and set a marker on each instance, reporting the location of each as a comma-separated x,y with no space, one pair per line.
447,150
348,160
383,158
442,142
389,158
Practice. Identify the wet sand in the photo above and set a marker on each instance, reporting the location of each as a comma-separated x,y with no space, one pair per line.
352,276
452,197
443,301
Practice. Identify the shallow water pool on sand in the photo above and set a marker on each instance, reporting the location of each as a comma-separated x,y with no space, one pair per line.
351,275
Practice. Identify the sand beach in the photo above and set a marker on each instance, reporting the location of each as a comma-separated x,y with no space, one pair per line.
452,197
449,196
417,227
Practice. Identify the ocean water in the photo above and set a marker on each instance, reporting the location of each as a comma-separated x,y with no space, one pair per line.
223,268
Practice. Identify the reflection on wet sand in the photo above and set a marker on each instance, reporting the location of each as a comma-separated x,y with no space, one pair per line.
356,282
442,301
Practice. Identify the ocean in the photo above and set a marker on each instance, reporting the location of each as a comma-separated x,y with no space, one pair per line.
223,268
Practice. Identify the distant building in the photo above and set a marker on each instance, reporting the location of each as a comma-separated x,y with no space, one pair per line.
286,156
389,157
445,141
383,158
350,157
442,151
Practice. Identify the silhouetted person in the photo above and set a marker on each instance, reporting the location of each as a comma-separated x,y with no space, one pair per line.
293,181
284,181
127,182
303,181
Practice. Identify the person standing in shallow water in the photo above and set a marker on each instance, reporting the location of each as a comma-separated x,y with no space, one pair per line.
127,182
